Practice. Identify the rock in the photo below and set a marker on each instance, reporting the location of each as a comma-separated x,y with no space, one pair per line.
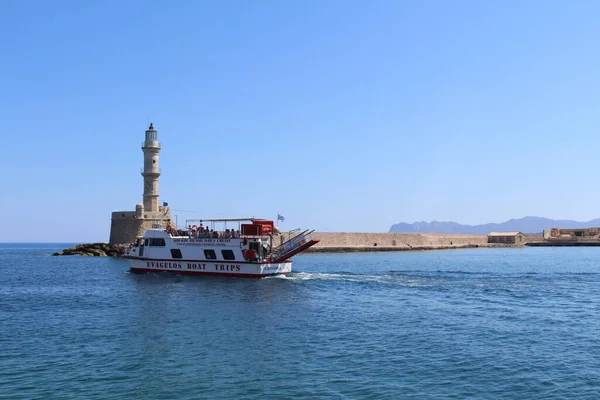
93,250
97,252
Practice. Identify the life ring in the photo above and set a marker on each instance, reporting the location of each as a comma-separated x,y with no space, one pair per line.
250,254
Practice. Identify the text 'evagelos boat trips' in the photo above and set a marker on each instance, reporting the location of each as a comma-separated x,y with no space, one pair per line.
248,252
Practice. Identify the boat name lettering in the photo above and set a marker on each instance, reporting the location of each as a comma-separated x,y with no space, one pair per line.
152,264
196,266
226,267
200,242
271,268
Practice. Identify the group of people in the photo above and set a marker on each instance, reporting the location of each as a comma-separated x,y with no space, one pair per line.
204,232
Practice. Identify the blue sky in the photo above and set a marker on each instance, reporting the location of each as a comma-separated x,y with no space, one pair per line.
339,115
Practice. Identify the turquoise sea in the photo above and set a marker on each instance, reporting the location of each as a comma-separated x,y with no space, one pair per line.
477,323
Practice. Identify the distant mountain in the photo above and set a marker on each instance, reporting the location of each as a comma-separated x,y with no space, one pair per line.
525,225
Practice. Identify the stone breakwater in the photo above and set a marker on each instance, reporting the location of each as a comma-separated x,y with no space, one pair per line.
94,250
339,242
345,242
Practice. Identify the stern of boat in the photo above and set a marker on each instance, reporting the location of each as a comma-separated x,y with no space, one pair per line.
295,245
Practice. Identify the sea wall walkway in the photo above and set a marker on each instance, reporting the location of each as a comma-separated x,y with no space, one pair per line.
355,241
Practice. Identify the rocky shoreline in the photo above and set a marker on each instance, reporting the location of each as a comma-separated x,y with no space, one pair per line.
93,250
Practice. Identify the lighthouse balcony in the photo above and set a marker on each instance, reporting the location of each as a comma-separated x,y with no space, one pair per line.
151,145
156,172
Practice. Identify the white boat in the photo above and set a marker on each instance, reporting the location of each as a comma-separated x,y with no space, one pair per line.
248,252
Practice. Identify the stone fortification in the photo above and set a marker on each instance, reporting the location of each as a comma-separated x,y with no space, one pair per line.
354,241
125,226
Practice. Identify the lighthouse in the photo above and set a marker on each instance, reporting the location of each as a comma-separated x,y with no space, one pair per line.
126,226
151,172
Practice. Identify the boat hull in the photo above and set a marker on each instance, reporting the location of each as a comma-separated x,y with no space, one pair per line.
210,268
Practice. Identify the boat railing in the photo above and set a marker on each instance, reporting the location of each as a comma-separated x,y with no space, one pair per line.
213,235
292,244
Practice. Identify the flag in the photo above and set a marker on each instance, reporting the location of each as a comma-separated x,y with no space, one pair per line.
280,218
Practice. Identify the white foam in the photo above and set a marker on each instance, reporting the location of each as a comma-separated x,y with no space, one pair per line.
385,279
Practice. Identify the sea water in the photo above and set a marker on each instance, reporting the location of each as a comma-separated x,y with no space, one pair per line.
477,323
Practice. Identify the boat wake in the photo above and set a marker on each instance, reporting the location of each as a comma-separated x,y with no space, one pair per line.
310,276
385,279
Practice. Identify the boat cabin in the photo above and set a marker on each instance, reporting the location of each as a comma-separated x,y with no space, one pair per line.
205,240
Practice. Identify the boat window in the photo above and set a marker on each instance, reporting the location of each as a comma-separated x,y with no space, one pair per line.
157,242
145,242
228,254
176,253
210,254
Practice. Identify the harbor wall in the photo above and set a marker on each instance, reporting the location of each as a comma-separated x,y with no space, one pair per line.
355,241
534,238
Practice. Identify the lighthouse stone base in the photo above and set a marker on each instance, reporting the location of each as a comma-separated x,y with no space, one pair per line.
126,226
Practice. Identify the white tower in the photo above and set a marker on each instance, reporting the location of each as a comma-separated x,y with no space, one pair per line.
151,148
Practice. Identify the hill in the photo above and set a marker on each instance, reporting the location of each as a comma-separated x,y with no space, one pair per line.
525,225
